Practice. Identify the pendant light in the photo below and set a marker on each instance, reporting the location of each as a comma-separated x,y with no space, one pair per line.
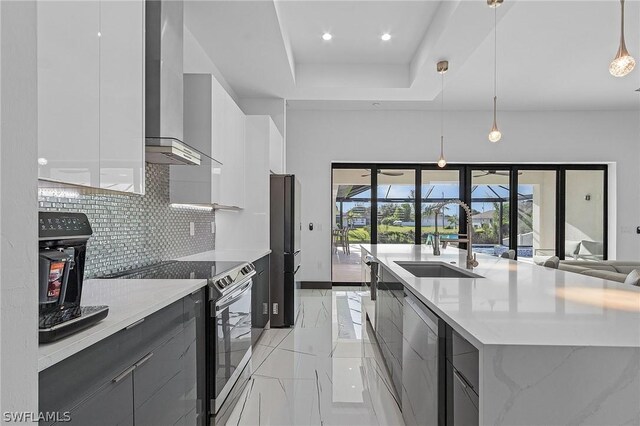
495,135
442,67
623,63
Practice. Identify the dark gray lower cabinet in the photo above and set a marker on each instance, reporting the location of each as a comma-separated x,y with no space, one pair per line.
112,404
462,381
421,378
151,373
389,312
260,299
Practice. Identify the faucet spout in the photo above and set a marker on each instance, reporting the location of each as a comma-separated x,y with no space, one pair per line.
471,257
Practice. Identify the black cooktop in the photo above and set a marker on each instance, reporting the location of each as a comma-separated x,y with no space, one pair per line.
178,270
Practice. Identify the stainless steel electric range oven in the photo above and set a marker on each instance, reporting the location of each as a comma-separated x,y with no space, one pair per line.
228,321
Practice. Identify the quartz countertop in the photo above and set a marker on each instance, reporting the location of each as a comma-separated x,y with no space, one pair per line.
239,255
520,303
128,300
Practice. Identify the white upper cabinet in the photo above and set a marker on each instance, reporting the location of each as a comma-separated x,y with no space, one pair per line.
276,149
214,125
122,95
69,91
204,116
91,93
233,176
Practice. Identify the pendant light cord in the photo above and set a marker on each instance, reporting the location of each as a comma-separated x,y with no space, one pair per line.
622,43
495,52
441,105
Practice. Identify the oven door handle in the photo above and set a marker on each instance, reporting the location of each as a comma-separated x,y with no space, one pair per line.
233,297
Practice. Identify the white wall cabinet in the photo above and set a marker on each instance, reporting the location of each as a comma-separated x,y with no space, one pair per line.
250,226
214,125
204,118
232,191
91,93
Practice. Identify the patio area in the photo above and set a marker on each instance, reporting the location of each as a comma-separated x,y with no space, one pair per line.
345,264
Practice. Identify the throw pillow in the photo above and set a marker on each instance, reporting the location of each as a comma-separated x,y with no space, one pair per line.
633,278
552,262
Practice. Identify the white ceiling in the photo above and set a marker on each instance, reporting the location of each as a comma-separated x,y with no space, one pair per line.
356,27
551,54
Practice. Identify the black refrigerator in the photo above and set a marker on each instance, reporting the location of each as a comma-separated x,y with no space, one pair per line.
285,249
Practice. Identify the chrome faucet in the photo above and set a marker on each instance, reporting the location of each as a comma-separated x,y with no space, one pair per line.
471,257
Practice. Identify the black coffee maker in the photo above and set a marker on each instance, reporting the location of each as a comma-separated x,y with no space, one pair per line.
63,246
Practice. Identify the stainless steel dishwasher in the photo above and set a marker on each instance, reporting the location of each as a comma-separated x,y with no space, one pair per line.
422,358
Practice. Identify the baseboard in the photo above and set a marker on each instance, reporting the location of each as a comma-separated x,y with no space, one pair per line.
346,284
315,285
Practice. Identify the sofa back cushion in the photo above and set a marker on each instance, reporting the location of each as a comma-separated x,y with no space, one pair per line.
606,275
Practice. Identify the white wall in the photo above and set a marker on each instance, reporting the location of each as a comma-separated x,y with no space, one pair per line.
316,138
197,61
274,107
18,214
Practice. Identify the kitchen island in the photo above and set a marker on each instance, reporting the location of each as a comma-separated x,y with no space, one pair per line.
553,347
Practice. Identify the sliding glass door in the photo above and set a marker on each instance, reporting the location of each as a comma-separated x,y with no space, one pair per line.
538,211
536,226
584,224
438,186
396,206
351,226
490,203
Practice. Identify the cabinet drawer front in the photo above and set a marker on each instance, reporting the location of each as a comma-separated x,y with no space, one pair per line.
158,327
465,358
112,402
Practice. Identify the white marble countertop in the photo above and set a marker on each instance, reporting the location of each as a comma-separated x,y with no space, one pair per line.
128,301
519,303
239,255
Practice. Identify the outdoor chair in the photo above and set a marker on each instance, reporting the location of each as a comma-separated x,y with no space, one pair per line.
509,254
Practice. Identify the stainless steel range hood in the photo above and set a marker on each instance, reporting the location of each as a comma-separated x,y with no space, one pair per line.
163,85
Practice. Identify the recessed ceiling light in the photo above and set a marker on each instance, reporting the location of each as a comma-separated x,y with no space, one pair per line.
385,37
327,36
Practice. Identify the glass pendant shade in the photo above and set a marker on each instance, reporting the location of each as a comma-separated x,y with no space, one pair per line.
623,63
495,135
441,161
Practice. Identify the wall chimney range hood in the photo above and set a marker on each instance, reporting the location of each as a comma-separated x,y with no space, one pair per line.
170,151
163,85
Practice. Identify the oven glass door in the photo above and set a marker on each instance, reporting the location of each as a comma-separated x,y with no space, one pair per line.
232,340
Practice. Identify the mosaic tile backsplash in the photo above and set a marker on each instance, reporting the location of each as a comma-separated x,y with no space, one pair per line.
130,231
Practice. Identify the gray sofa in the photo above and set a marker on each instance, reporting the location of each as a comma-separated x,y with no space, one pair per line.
614,270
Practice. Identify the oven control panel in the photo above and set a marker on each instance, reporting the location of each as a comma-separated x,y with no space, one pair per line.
52,225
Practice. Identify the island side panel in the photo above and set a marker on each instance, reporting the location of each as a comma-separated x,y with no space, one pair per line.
559,385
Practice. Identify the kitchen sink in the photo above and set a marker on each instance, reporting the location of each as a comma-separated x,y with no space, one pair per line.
436,270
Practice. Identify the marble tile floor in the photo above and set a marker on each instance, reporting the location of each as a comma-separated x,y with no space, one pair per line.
323,371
